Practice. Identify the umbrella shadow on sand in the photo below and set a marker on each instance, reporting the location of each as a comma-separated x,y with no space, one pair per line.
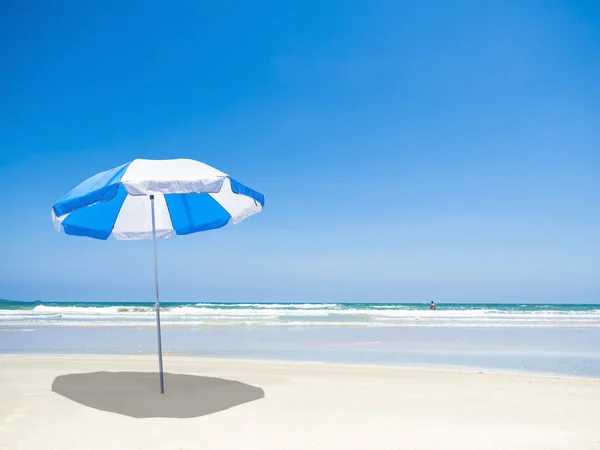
136,394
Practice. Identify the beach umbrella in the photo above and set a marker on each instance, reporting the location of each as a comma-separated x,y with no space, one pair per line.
155,199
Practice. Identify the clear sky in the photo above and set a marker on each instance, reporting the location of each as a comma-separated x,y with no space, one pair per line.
408,150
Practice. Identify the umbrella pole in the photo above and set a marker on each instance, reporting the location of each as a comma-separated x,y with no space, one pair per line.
157,305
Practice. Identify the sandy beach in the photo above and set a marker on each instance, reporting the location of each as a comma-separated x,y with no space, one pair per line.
99,402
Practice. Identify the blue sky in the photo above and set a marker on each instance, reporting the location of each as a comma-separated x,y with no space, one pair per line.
408,151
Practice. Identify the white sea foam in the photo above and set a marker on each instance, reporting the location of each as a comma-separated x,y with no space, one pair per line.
281,314
272,305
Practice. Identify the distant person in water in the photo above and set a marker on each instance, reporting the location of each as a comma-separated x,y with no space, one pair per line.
432,305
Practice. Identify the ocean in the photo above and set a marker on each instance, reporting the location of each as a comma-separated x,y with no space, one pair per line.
533,338
188,314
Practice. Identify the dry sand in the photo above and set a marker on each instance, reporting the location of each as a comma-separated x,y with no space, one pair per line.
109,402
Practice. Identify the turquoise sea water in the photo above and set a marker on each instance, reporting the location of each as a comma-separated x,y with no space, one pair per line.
305,314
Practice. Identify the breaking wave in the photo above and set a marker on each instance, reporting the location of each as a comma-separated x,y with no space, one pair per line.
292,314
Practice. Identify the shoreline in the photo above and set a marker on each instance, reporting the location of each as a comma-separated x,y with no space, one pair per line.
543,351
289,363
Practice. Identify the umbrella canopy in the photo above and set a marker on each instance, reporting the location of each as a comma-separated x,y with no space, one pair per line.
150,199
117,202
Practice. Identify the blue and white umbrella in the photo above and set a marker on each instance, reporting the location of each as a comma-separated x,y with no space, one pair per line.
118,202
152,199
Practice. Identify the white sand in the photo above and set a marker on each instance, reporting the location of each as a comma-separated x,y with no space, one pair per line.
305,406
